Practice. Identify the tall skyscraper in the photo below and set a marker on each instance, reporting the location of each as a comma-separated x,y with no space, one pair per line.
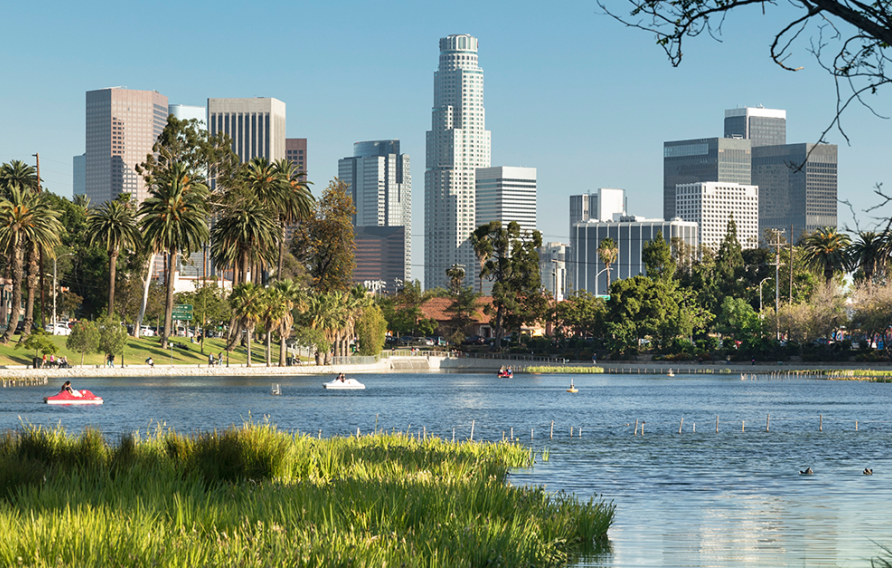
703,159
79,170
457,144
506,194
761,126
553,269
256,126
122,126
711,204
296,153
381,186
789,194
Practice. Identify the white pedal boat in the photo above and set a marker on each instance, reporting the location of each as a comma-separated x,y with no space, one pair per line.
346,384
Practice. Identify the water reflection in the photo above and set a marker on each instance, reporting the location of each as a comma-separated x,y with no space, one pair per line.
699,498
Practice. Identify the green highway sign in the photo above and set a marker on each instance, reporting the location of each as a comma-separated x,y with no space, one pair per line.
182,312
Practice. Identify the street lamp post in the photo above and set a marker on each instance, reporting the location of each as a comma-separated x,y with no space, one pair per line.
54,287
761,316
605,269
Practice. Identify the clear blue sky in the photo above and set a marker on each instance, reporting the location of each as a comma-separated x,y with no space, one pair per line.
568,91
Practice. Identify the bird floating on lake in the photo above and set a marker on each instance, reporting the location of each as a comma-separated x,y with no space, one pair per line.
807,471
867,471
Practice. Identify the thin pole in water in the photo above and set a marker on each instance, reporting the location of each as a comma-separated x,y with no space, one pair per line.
821,424
695,427
580,431
642,427
531,433
636,426
768,423
453,435
680,424
551,437
472,429
743,426
856,425
512,433
320,434
716,423
571,431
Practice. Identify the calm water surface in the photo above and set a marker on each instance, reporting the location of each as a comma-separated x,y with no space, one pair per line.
701,498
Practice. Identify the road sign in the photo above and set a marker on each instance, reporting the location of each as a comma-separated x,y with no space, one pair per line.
182,312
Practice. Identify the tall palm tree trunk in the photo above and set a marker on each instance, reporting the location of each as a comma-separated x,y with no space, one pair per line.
16,295
282,347
145,295
168,304
33,271
269,347
248,334
112,271
281,264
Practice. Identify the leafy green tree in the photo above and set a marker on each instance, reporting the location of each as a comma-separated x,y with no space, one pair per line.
113,225
40,342
512,265
112,337
583,313
464,307
371,327
247,302
324,242
174,219
737,319
826,250
657,258
25,217
84,338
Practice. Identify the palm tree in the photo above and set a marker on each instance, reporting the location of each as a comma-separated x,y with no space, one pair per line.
868,252
17,173
114,225
324,313
826,250
297,203
268,186
25,217
174,219
276,309
608,251
295,298
248,303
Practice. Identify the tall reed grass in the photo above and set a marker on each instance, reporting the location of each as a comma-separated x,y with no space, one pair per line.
255,496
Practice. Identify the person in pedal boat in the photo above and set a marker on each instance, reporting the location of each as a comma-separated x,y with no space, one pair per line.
71,391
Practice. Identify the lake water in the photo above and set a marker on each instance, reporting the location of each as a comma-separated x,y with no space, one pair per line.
699,498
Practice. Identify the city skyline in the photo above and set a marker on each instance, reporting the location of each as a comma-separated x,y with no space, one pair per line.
553,101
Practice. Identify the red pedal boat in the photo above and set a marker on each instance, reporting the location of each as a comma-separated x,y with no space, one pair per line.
66,397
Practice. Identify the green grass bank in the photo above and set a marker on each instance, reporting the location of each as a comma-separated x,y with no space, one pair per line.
544,369
255,496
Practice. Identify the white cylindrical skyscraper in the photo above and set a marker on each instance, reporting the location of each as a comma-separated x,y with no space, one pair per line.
457,144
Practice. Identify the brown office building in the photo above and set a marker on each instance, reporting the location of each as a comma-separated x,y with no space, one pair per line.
380,258
122,126
296,152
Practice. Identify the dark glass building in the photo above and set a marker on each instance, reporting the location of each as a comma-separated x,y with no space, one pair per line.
380,257
703,159
797,185
761,126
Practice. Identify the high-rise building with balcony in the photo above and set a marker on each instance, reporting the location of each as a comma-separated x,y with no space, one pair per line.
456,146
381,187
122,126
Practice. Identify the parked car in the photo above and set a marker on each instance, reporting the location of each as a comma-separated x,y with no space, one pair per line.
58,329
146,331
439,340
422,341
474,340
406,340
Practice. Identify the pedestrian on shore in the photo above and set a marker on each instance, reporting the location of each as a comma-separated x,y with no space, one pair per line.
220,359
594,358
211,360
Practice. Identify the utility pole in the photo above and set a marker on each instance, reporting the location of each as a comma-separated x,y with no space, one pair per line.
791,263
42,293
776,244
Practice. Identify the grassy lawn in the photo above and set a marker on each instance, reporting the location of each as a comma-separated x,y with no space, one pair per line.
138,350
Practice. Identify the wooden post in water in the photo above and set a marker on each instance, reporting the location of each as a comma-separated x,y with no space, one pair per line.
425,433
716,423
642,427
636,426
856,425
357,432
695,427
680,424
531,434
768,423
551,436
503,435
320,433
821,424
743,426
580,431
453,435
472,429
571,431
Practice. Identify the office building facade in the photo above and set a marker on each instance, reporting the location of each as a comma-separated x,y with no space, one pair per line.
456,146
797,186
631,233
121,128
380,258
553,269
380,184
704,159
506,194
79,173
256,126
712,204
761,126
296,153
189,112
